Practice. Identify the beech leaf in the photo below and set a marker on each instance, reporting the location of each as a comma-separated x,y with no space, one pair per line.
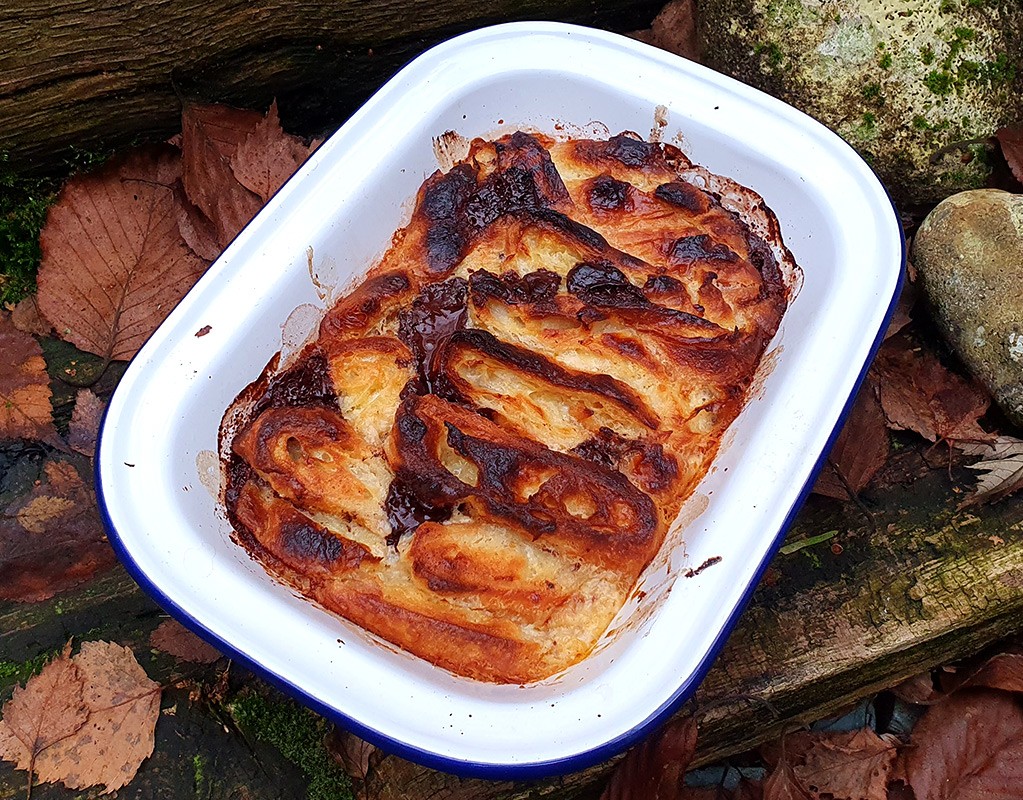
26,317
674,30
782,784
1011,139
848,765
355,756
860,450
919,394
49,708
25,410
114,263
268,157
85,420
175,639
53,538
969,747
1001,671
654,769
1001,468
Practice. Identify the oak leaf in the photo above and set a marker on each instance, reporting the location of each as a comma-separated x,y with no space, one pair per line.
175,639
114,263
49,708
85,420
969,747
1001,466
919,394
25,409
52,539
1010,138
848,765
655,768
268,157
860,450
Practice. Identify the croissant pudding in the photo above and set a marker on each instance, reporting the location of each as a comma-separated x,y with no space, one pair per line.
491,434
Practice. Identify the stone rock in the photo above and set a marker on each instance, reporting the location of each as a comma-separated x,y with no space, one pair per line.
903,81
969,253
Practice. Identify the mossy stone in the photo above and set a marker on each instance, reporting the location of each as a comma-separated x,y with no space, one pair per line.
928,74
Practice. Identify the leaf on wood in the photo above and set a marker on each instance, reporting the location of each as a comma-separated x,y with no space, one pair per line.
354,755
1011,140
1001,468
654,769
123,706
969,747
210,137
26,317
782,784
268,157
1002,671
25,410
52,539
114,263
49,708
848,765
674,30
919,689
176,640
85,420
860,450
919,394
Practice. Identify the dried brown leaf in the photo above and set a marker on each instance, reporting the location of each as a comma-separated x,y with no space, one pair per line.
51,539
114,263
355,756
197,231
175,639
1011,139
654,769
848,765
674,30
782,784
1001,468
1001,671
85,420
26,317
919,394
969,747
919,689
268,157
860,450
209,140
49,708
123,708
25,410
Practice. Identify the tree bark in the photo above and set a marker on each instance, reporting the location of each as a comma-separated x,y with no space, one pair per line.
94,74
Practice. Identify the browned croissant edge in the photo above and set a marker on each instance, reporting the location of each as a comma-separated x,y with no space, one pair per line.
489,437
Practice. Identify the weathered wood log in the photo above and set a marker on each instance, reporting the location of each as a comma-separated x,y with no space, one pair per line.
920,585
98,74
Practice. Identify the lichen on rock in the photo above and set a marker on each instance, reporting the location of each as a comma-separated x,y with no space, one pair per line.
903,81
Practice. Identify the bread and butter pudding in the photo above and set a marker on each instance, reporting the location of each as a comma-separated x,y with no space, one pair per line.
491,434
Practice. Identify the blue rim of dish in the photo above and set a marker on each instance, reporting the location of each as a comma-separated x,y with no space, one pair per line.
535,769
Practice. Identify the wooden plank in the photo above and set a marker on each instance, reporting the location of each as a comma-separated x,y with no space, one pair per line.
84,74
923,585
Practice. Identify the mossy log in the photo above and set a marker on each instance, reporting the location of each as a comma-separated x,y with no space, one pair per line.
85,74
918,584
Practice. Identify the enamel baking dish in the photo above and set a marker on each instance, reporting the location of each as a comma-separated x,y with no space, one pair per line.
157,467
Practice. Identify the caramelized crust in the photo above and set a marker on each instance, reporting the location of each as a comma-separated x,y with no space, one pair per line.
492,433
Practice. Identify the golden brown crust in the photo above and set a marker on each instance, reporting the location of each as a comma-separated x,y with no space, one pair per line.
492,433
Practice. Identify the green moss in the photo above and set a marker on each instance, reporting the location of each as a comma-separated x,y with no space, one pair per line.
12,672
871,92
199,772
919,123
927,54
23,205
947,6
771,54
885,61
939,81
298,734
869,120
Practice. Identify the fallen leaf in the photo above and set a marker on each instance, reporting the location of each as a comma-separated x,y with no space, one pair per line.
919,394
1001,671
674,30
860,450
1001,466
85,420
49,708
26,317
969,747
114,263
1011,139
209,140
901,317
782,784
654,769
52,539
268,157
123,705
355,756
848,765
176,640
198,232
25,410
919,689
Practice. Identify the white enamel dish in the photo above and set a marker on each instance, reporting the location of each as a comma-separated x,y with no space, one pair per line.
345,204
